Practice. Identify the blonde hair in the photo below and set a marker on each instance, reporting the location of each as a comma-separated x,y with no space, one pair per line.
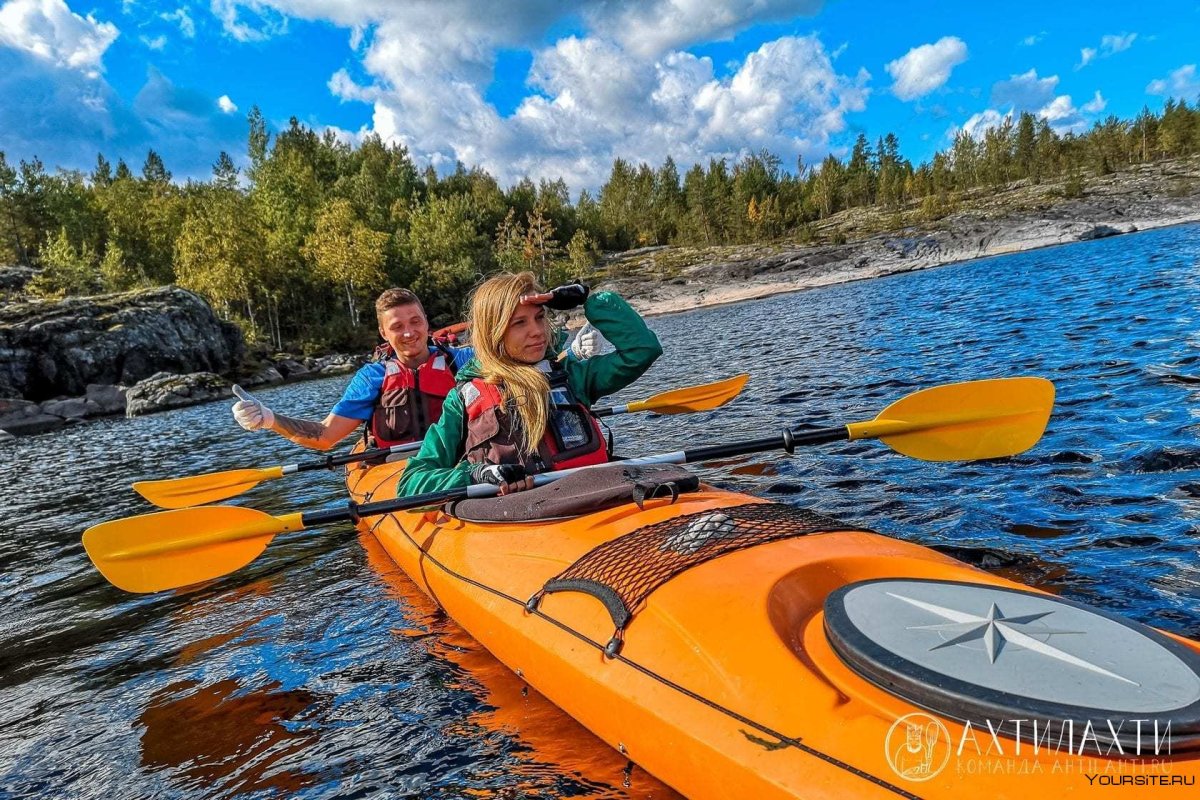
524,387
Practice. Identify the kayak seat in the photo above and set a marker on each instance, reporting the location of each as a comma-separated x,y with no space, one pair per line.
623,572
585,492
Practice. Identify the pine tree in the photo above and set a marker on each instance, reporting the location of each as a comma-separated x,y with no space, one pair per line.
153,170
225,174
102,173
10,222
510,243
1026,148
860,177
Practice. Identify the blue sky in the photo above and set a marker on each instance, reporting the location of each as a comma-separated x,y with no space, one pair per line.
553,89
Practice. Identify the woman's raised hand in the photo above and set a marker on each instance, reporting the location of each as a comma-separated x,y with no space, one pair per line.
560,298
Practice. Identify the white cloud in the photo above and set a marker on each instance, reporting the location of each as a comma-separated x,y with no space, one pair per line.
1029,93
1030,41
1110,44
1062,115
979,124
1182,83
157,43
926,68
50,30
615,89
259,22
226,105
597,102
650,29
1095,105
187,26
1024,92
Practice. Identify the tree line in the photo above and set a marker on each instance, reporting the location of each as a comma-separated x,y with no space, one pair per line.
295,248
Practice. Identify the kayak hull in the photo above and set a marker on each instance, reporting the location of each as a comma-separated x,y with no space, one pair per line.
726,685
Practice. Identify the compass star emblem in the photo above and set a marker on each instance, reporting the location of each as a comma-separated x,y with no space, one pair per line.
996,630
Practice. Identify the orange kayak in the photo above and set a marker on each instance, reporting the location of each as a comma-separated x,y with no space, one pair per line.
806,659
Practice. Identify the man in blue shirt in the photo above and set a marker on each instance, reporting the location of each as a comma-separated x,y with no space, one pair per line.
398,396
385,393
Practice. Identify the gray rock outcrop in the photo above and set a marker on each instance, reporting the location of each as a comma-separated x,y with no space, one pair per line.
24,418
13,279
165,390
50,349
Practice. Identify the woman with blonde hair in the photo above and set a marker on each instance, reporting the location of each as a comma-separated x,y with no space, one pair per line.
517,410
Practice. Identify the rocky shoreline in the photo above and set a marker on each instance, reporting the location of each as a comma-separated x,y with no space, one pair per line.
867,243
162,391
129,354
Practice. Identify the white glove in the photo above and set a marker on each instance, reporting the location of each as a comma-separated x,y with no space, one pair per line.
249,413
587,342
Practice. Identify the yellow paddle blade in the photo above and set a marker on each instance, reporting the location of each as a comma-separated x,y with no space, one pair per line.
964,421
169,549
693,398
197,490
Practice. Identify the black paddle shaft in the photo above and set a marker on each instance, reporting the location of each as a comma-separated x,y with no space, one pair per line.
787,441
329,462
353,512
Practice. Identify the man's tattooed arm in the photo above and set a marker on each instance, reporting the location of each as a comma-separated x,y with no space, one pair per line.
301,431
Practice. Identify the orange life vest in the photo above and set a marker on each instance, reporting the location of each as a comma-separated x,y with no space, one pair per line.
573,436
410,400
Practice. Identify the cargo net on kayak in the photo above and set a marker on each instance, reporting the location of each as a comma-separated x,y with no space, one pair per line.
622,573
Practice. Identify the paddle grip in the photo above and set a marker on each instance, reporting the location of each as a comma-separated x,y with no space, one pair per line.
820,436
347,513
783,441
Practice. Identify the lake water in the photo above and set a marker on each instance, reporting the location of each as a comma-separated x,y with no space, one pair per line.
319,670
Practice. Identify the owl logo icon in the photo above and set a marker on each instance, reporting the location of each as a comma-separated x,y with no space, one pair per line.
917,747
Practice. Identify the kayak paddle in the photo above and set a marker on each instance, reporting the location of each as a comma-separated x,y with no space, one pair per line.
196,490
960,421
212,487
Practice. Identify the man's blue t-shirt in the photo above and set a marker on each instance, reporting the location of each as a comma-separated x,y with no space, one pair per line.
358,401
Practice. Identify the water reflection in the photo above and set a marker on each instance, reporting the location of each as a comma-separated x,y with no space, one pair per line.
558,757
225,738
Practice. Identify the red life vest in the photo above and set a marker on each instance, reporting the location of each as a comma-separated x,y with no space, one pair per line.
573,436
410,400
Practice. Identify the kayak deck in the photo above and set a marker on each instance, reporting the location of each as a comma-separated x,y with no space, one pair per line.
726,684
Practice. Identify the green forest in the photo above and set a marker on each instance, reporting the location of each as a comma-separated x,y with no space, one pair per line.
295,248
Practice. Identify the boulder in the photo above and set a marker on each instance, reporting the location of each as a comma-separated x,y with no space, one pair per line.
13,279
52,348
29,425
1099,232
267,376
10,407
73,408
108,399
165,391
291,369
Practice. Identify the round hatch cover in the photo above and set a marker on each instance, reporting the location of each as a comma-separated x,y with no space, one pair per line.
984,653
